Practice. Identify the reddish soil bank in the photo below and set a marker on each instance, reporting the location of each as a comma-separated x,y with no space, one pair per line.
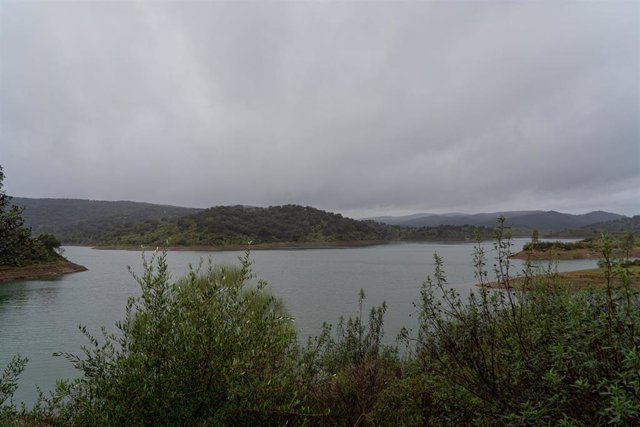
556,254
40,271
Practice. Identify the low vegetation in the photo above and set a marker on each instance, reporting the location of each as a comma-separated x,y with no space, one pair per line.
623,246
216,348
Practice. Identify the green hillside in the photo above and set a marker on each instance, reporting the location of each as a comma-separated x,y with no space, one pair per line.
237,225
619,226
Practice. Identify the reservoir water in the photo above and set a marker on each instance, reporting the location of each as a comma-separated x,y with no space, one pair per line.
38,318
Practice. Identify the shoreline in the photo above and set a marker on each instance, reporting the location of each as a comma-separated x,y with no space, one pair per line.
238,247
574,280
39,271
560,255
268,246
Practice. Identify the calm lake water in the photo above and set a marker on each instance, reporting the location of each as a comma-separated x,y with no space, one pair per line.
38,318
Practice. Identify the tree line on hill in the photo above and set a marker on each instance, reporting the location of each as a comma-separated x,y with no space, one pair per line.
239,225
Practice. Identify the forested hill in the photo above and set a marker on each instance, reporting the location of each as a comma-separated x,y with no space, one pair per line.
237,225
620,226
63,217
225,225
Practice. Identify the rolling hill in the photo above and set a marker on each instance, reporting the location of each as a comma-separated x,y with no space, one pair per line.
63,217
124,223
103,223
543,221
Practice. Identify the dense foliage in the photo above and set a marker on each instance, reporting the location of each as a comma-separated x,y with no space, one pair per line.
622,245
17,247
239,225
557,245
208,348
215,348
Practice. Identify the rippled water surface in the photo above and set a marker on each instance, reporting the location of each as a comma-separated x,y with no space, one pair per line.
38,318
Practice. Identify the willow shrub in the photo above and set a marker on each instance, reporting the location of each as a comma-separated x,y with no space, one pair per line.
208,349
538,355
346,372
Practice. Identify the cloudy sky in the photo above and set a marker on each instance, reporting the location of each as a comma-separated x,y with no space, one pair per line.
364,108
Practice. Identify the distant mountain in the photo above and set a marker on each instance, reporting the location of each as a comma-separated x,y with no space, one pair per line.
618,226
541,220
64,216
557,221
399,220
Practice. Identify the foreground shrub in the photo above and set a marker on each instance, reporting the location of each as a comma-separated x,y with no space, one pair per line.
346,372
8,385
538,356
207,349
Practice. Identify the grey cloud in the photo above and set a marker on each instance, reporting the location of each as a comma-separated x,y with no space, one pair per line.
356,107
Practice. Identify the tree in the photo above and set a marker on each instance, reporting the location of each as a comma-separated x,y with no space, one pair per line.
16,245
535,236
628,242
49,241
13,236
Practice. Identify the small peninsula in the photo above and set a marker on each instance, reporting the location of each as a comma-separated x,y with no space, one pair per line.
622,246
23,257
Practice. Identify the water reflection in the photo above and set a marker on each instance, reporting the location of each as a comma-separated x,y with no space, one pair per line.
23,293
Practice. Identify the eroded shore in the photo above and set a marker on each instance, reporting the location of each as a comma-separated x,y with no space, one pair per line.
575,280
39,271
562,255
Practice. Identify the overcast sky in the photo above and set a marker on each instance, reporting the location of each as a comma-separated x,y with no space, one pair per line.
364,108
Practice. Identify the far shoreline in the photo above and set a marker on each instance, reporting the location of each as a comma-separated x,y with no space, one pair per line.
574,254
269,246
347,244
590,278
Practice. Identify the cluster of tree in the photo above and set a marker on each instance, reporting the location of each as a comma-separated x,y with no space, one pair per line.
557,245
17,247
233,225
212,349
623,244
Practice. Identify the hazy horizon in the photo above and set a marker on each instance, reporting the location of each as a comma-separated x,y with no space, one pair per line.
363,108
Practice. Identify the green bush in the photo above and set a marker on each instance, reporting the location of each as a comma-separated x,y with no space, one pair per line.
208,349
538,356
346,373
